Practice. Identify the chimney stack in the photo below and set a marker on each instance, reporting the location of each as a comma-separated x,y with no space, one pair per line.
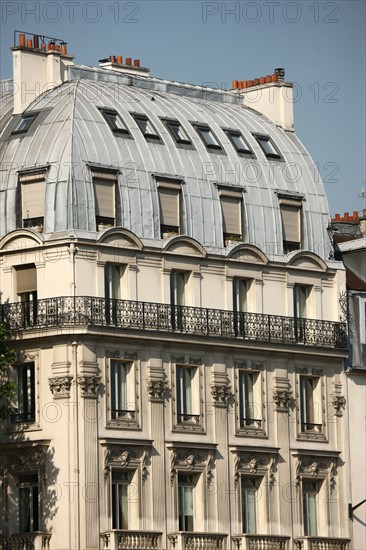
39,64
115,63
271,96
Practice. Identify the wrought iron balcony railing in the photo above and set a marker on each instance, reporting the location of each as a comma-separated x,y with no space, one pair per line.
63,311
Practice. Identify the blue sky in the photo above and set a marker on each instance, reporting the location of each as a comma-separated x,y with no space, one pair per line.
321,45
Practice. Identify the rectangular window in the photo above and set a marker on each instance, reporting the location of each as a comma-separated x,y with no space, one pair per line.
115,122
208,137
309,404
249,488
249,400
291,224
301,295
105,200
268,147
310,490
24,123
186,486
26,394
146,127
240,295
239,143
26,280
178,283
113,274
32,187
120,486
177,132
231,206
28,503
122,387
187,399
169,204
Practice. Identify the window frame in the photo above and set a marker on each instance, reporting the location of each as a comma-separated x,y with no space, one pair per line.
191,484
270,156
306,519
131,417
121,132
246,153
244,504
211,147
153,137
115,513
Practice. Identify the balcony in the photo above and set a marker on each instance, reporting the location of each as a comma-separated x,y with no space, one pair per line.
130,540
261,542
66,311
321,543
197,541
25,541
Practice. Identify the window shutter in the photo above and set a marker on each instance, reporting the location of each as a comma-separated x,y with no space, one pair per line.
105,198
33,199
231,213
169,206
26,279
290,212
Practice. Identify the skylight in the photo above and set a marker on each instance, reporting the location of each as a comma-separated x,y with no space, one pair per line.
146,127
238,142
115,122
24,123
208,137
268,147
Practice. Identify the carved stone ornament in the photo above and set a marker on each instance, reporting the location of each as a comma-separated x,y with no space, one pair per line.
60,386
282,399
220,393
89,385
339,404
156,389
190,461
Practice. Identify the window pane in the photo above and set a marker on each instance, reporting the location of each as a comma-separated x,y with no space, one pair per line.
239,143
231,213
24,123
208,137
146,127
178,132
115,122
119,395
185,504
310,492
249,497
120,485
240,295
24,509
268,148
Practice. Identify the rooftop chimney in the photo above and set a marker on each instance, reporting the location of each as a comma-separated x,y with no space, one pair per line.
115,63
271,96
39,64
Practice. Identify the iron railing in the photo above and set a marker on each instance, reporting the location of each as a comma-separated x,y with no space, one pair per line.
63,311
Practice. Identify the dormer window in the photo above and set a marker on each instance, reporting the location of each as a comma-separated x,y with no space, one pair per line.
115,122
208,137
239,143
291,224
177,132
231,207
104,184
169,192
268,147
24,123
146,127
32,190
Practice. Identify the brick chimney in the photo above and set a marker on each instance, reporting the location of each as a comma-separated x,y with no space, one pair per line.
271,96
39,64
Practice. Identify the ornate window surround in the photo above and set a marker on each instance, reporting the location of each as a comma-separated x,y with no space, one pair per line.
261,463
132,457
197,460
320,467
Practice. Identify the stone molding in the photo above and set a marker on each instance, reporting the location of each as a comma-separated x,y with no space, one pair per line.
60,386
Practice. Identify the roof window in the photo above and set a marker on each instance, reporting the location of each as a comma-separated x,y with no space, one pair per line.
146,127
208,137
239,143
115,122
268,147
177,132
24,123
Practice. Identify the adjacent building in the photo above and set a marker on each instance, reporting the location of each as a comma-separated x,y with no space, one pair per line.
167,277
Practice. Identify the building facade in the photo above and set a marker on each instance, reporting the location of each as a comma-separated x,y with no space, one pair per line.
166,278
